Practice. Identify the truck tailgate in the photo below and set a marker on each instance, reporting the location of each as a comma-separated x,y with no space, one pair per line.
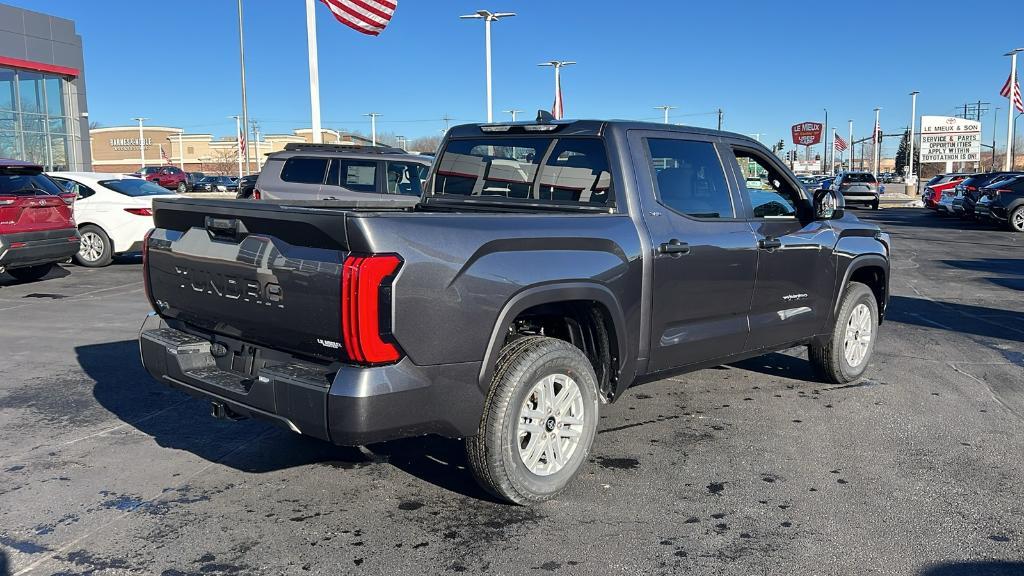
259,272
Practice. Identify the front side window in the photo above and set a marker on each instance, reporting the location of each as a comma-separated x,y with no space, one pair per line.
689,178
556,170
405,178
770,194
304,170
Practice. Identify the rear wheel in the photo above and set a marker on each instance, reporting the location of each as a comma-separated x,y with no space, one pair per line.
96,249
31,273
539,421
1016,219
846,354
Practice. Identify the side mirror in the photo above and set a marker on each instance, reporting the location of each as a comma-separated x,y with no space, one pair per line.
828,205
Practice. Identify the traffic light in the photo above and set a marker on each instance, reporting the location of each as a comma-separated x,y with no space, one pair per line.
817,157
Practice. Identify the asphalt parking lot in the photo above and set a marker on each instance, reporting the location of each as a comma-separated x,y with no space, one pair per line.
746,469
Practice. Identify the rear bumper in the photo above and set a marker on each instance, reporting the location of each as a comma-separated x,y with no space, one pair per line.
860,197
343,404
33,248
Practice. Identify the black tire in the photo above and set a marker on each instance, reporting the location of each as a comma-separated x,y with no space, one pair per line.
181,188
874,205
93,235
1016,219
31,273
494,453
828,358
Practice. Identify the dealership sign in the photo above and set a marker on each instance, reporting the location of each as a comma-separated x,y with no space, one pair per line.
807,133
127,144
950,139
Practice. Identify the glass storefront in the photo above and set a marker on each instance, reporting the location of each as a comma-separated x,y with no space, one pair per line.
37,120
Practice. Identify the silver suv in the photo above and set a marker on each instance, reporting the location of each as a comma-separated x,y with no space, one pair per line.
858,188
338,172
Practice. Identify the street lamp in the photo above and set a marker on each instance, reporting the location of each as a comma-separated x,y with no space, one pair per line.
142,141
373,125
557,110
852,147
1008,165
488,17
913,127
664,108
513,112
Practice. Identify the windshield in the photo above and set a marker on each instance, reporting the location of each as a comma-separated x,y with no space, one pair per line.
21,181
538,169
135,187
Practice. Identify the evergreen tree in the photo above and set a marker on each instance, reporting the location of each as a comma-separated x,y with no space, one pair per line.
902,154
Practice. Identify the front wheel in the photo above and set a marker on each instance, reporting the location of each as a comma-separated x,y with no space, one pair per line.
539,421
1016,219
182,188
847,352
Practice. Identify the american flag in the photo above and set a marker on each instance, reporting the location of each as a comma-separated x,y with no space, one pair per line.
163,155
1005,93
840,144
241,143
366,16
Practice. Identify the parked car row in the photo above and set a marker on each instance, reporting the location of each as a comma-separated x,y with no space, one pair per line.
991,197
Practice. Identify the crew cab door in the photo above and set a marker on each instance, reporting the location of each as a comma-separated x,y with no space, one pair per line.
795,264
705,254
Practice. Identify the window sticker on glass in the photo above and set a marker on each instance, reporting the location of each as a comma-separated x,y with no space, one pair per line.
359,175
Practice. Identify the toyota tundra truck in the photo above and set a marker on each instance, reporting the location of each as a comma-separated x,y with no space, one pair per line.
548,266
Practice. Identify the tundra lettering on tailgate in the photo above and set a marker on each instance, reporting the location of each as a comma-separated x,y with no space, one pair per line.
230,287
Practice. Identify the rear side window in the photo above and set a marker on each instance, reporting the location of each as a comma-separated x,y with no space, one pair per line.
557,170
356,175
689,178
304,170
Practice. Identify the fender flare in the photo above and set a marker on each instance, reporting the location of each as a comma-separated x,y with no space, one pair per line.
856,264
551,293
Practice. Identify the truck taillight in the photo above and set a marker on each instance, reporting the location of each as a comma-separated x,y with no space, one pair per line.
366,308
256,194
145,268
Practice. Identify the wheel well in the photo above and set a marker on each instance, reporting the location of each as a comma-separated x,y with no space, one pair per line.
586,324
873,277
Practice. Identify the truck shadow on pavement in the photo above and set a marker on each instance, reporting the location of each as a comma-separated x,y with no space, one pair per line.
955,317
8,280
176,420
4,568
978,568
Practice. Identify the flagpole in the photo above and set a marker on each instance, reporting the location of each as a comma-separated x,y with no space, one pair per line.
314,71
245,103
1008,165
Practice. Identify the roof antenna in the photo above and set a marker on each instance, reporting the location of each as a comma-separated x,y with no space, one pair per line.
544,117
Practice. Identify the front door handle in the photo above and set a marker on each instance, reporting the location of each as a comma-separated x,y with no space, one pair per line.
769,243
674,247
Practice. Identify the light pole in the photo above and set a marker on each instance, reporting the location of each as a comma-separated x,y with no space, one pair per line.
314,71
877,138
513,113
852,146
142,141
488,17
913,127
558,109
664,108
1008,165
373,126
238,141
824,134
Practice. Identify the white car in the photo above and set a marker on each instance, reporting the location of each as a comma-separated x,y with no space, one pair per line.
113,212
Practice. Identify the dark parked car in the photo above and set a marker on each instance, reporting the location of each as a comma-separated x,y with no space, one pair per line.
170,177
37,225
969,191
858,188
547,268
1002,202
216,184
246,185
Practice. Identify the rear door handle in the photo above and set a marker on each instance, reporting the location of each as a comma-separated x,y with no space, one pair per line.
674,247
769,243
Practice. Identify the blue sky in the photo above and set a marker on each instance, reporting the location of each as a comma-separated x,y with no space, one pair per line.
767,64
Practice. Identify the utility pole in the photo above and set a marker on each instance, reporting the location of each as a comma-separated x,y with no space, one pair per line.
400,140
664,108
824,134
245,102
373,126
719,118
256,142
513,113
913,126
447,120
877,139
488,17
142,140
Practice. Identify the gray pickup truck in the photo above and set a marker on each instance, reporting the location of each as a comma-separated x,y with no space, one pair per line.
548,266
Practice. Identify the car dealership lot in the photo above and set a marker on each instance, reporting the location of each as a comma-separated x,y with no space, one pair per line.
746,469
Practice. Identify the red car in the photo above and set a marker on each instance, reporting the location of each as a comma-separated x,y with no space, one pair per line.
936,186
170,177
37,225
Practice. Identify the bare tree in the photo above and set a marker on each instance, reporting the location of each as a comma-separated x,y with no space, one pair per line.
222,163
427,144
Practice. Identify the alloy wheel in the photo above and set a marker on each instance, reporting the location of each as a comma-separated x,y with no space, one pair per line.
92,247
857,339
550,424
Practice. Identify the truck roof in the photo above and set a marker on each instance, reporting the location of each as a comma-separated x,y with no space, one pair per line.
594,128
